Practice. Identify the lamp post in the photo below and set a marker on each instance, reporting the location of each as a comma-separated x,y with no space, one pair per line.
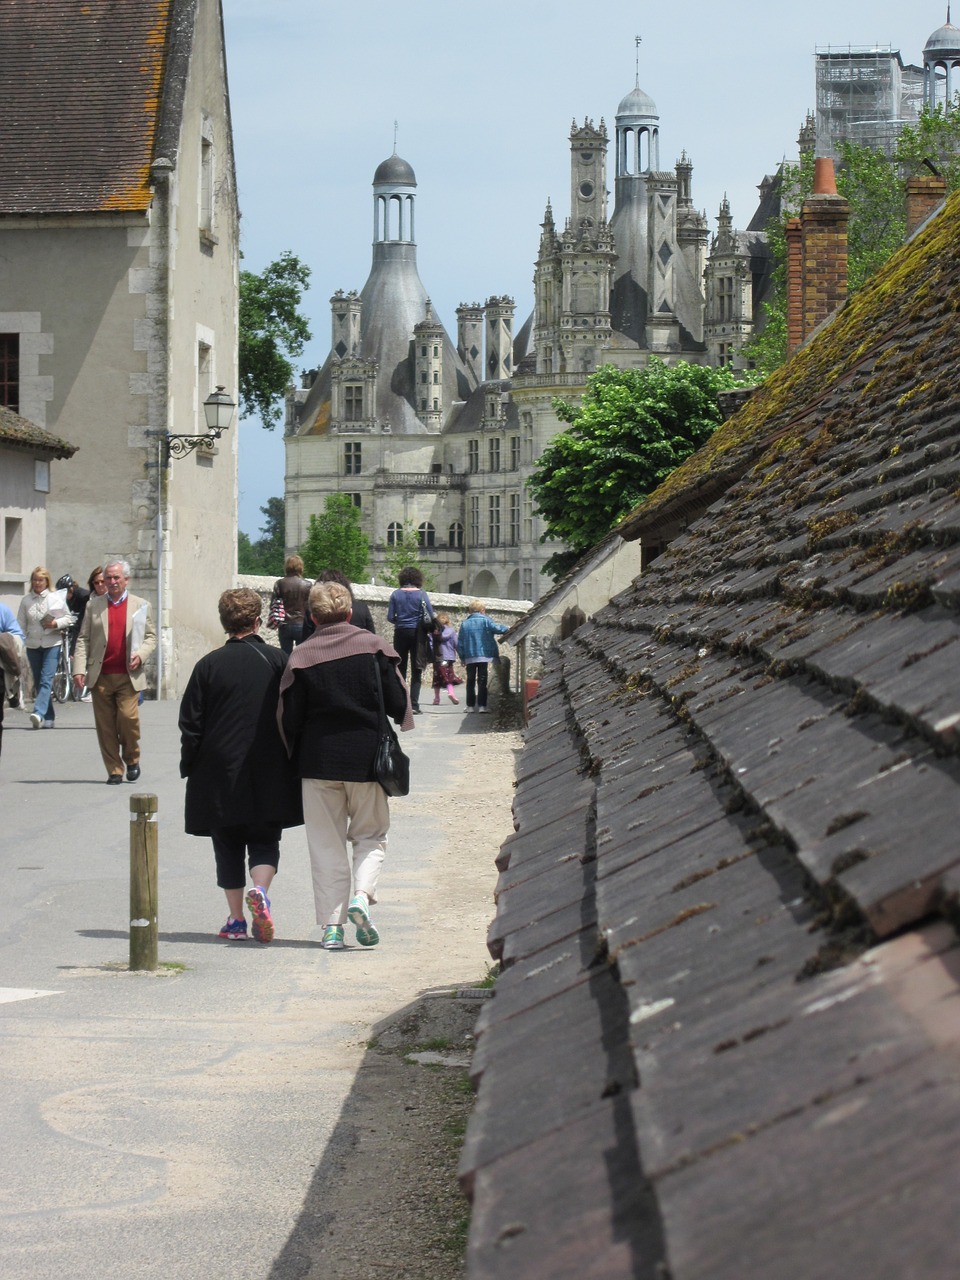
218,411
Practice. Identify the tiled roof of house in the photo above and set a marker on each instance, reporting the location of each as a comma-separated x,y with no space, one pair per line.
19,433
725,1043
80,86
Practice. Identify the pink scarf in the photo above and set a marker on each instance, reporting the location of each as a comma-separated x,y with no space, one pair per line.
334,640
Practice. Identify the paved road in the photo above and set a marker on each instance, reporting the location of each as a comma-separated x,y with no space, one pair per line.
170,1125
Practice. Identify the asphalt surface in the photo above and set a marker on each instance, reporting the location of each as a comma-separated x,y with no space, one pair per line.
170,1124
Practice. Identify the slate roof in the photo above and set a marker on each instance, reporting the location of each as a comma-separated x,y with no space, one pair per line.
81,91
725,1043
20,433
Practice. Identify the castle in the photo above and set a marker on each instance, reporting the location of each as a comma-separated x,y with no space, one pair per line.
421,430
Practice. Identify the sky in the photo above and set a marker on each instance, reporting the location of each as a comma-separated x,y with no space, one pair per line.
482,98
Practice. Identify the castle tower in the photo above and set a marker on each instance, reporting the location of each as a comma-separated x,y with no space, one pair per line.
638,157
470,339
693,233
345,327
499,337
941,66
428,373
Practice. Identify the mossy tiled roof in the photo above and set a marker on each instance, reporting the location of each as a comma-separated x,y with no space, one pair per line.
19,433
725,1041
80,86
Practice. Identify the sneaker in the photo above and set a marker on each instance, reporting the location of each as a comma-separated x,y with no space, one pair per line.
359,914
236,929
48,724
482,710
259,905
36,720
332,939
85,696
453,698
469,708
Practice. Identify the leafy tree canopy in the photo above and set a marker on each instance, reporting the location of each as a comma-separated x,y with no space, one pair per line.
631,429
407,551
876,189
335,540
271,330
265,556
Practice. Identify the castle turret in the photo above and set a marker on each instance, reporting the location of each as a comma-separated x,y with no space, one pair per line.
428,375
470,339
345,312
499,345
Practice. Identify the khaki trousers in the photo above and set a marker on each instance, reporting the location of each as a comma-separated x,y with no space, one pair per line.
116,714
333,813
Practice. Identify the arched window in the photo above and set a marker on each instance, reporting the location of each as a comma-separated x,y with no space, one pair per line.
394,533
456,535
427,535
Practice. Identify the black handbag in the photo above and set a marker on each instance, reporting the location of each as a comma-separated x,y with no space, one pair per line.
391,768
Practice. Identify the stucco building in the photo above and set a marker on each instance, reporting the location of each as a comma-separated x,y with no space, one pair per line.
118,289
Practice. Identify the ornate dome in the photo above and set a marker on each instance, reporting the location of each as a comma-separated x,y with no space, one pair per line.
396,172
638,104
945,39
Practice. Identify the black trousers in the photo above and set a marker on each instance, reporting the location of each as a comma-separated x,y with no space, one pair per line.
260,841
405,643
477,677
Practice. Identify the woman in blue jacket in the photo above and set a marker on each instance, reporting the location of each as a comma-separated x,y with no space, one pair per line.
477,644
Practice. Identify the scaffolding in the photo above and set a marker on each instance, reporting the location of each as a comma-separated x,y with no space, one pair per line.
865,95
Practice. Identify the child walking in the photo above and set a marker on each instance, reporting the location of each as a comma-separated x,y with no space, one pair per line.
443,644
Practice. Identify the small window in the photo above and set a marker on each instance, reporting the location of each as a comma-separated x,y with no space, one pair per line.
475,521
10,371
355,498
423,375
394,533
353,403
436,378
514,519
423,351
436,352
473,456
725,298
456,535
494,451
493,513
13,544
426,535
514,453
206,184
352,458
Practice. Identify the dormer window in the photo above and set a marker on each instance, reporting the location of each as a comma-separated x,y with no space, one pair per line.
353,402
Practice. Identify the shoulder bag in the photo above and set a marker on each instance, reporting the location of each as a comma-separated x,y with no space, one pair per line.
391,767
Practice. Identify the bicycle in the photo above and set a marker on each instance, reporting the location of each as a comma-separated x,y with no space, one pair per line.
63,676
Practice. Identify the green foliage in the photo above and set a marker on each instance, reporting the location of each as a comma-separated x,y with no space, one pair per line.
271,330
335,540
631,429
876,189
265,556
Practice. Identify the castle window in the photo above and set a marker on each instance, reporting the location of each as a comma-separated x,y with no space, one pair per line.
423,351
514,519
355,498
493,513
352,458
456,535
10,371
473,456
725,298
436,378
436,352
426,535
527,587
475,522
436,403
726,353
514,453
494,452
423,375
353,403
423,404
394,533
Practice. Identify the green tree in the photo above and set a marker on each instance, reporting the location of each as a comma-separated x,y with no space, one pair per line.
266,555
335,539
406,551
934,138
271,330
631,429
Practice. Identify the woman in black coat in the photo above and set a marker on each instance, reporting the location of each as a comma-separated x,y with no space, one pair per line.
241,788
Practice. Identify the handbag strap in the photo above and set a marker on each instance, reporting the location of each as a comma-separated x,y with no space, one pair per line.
382,708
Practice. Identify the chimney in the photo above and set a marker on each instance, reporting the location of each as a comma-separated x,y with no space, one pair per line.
924,194
816,257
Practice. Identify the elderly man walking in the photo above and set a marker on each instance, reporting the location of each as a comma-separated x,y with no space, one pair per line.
116,639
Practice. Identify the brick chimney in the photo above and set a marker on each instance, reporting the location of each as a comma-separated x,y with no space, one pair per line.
816,257
924,194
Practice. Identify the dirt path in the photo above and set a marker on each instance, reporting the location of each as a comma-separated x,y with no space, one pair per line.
385,1200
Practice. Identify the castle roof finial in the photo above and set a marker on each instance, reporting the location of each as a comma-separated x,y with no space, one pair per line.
638,40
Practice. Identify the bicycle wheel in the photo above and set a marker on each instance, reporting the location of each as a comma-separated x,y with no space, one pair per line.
61,680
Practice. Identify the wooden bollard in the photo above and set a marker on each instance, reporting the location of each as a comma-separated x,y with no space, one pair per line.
143,882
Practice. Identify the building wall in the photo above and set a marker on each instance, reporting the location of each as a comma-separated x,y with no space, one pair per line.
23,526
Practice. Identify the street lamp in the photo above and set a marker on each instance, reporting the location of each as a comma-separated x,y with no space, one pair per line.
218,411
